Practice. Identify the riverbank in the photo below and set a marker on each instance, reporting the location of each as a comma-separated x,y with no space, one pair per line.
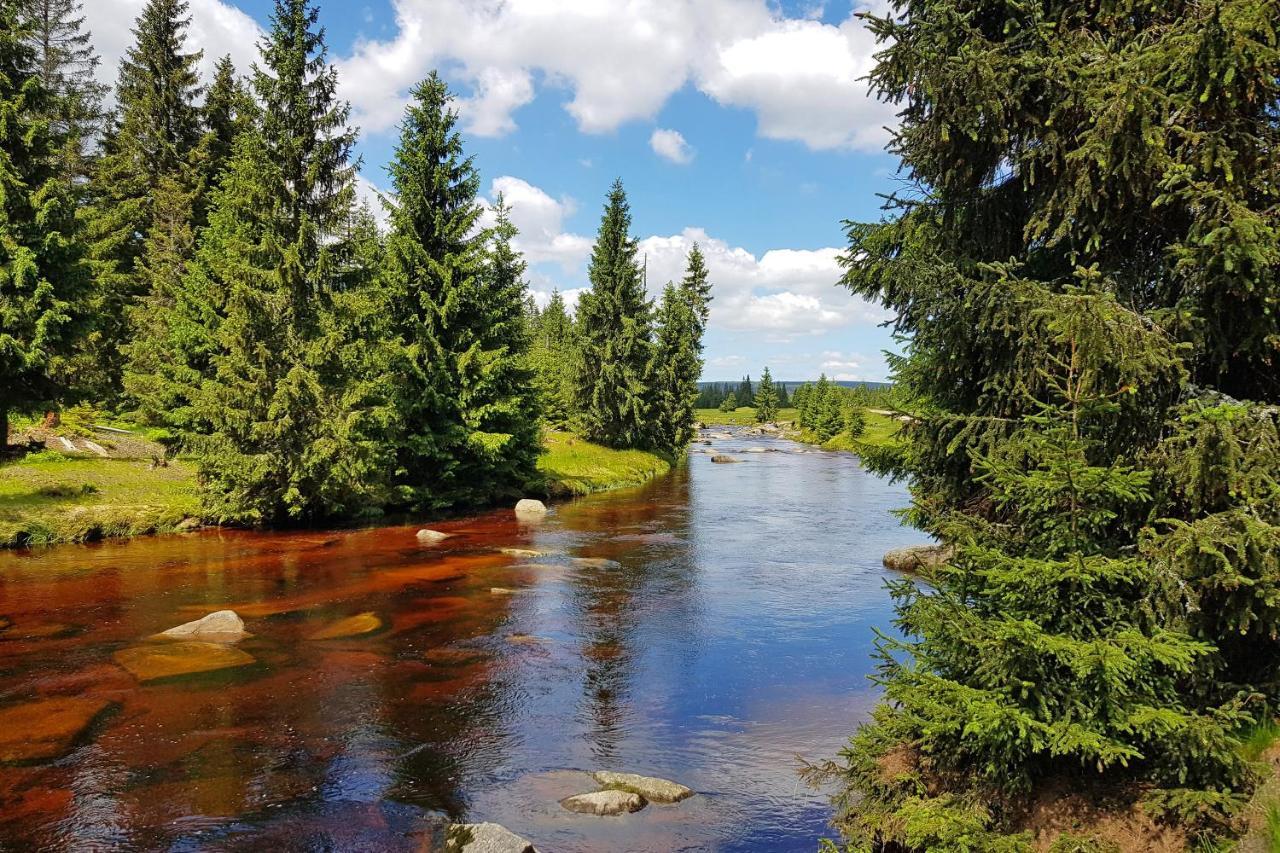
53,497
882,428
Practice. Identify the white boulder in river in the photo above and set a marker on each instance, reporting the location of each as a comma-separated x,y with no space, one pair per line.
486,838
651,788
605,803
429,537
529,507
221,625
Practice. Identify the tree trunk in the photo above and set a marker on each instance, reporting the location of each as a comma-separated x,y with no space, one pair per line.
4,428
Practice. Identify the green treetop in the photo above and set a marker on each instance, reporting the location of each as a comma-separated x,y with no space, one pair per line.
766,399
615,335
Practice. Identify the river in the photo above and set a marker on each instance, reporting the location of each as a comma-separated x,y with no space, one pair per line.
710,627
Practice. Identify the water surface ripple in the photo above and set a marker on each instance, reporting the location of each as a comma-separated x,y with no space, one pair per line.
721,627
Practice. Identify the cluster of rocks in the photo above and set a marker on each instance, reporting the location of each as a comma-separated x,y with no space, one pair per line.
624,793
619,794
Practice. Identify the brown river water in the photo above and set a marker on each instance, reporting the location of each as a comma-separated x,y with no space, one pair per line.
712,627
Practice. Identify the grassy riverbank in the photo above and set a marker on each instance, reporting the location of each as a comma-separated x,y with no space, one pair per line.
50,497
575,466
881,429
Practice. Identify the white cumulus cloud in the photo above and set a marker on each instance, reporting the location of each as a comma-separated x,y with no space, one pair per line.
671,145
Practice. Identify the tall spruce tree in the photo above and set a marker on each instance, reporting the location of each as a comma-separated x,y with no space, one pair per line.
553,356
228,110
1051,177
291,426
44,281
144,183
67,64
677,365
455,303
615,333
766,399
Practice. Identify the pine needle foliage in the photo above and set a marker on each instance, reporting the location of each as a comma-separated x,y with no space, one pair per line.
1083,264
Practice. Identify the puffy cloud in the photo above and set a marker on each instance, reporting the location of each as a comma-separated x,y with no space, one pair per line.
783,294
671,145
217,27
540,220
621,60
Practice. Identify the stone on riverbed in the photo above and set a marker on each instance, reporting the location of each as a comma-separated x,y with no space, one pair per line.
486,838
528,508
431,537
46,729
186,657
221,625
523,553
721,459
653,789
352,626
605,803
918,557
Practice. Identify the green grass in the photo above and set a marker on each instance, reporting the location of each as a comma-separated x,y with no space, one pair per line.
742,416
46,498
575,466
881,430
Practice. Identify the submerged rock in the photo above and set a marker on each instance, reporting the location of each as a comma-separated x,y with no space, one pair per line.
526,553
652,788
605,803
526,639
431,537
594,562
918,557
530,507
721,459
223,625
486,838
501,590
46,729
186,657
352,626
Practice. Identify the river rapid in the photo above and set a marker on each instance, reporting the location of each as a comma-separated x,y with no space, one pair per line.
712,627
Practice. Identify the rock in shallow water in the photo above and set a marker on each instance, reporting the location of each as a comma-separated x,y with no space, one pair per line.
605,803
529,507
723,460
186,657
352,626
651,788
918,557
220,625
46,729
486,838
431,537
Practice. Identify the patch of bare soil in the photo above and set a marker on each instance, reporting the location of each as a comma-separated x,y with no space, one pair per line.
1116,820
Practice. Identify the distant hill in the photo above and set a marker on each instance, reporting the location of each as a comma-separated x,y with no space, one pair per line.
791,384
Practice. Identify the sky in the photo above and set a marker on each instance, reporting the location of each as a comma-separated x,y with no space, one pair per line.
743,125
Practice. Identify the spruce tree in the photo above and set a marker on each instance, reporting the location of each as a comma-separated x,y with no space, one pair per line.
552,357
1142,176
766,399
677,365
455,302
147,160
729,403
228,110
745,394
615,335
67,64
44,281
291,428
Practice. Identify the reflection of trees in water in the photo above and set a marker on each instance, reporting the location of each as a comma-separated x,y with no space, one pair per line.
651,589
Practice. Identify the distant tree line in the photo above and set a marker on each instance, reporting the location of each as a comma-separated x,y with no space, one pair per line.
196,256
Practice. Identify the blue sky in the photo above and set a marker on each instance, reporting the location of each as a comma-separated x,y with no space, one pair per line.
742,124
